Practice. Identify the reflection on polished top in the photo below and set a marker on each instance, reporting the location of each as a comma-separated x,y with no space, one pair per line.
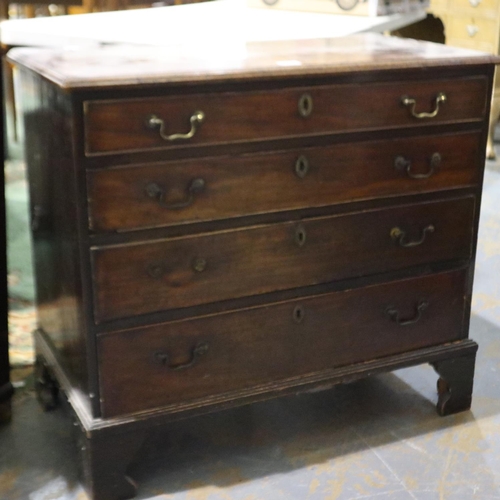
133,65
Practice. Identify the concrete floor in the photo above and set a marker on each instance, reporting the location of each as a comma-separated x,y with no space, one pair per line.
377,438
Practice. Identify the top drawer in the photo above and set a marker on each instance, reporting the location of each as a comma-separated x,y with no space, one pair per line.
219,118
479,8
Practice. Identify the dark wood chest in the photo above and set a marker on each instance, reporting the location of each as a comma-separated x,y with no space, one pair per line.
212,231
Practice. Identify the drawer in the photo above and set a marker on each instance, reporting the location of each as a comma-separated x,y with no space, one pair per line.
180,272
472,29
472,44
438,7
143,196
477,8
280,343
125,125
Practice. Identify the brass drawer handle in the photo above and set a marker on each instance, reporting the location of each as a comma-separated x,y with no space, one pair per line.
472,30
305,105
156,192
409,102
393,313
199,264
400,235
154,122
475,3
199,350
402,163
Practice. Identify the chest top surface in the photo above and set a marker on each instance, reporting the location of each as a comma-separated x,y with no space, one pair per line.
126,66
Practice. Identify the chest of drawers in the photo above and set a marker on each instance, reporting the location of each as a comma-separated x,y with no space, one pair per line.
210,232
474,24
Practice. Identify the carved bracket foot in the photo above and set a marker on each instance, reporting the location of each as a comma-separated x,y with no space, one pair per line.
46,386
494,116
105,462
455,384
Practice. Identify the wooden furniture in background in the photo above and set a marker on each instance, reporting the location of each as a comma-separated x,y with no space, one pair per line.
209,236
473,24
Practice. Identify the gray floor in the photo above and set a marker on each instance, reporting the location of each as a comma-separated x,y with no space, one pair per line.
377,438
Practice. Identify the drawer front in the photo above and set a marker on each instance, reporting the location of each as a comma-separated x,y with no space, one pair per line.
127,125
477,8
472,44
472,30
437,7
166,194
187,271
178,362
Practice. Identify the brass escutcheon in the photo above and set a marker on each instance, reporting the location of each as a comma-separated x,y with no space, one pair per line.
298,314
305,105
301,166
300,235
155,271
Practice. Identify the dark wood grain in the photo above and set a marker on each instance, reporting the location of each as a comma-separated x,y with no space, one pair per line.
141,278
264,183
115,67
331,331
269,283
53,215
105,461
251,116
314,382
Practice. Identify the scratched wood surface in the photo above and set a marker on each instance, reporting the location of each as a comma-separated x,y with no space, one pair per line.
132,65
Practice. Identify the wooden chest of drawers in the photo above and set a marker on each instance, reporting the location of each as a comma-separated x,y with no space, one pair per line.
211,232
474,24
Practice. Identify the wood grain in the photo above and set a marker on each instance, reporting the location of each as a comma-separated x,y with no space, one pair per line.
152,276
129,66
264,183
121,125
336,329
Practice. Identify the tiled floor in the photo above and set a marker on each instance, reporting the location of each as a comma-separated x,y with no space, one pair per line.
378,438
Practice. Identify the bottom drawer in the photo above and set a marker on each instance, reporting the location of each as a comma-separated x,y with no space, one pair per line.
182,361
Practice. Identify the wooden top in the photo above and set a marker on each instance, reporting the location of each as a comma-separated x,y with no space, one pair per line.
135,65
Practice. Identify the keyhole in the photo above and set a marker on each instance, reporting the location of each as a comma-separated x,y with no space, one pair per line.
155,271
301,166
300,235
305,105
298,314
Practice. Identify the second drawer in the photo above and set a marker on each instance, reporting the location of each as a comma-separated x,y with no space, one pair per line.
170,193
141,278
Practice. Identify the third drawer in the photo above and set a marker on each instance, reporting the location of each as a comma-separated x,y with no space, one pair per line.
146,277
